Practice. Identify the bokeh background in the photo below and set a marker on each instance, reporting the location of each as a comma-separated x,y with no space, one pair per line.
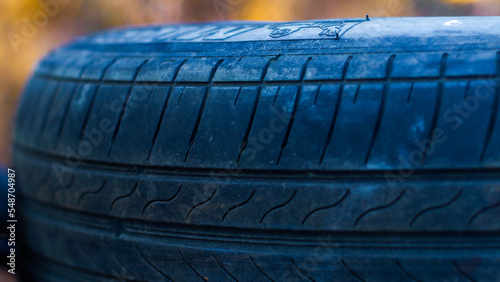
31,28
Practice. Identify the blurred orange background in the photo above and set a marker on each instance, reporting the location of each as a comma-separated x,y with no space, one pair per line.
31,28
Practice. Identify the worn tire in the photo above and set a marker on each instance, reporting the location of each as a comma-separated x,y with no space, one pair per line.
330,150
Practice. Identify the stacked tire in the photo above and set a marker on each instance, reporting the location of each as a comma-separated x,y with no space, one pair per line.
325,150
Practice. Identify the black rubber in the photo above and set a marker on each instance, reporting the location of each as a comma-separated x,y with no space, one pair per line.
362,149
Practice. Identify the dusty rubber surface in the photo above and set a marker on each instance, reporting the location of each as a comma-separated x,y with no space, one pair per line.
325,150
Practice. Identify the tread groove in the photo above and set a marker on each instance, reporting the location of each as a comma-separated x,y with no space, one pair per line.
47,114
159,123
278,206
161,201
190,267
202,108
120,262
481,211
59,187
351,271
408,99
437,107
70,102
381,109
89,256
80,198
260,270
149,95
379,208
276,95
254,110
113,166
467,89
180,96
162,116
201,204
238,205
276,83
294,110
223,269
124,107
237,96
436,207
152,265
337,108
494,111
316,95
346,193
406,272
99,84
252,235
52,101
124,196
356,94
457,266
301,271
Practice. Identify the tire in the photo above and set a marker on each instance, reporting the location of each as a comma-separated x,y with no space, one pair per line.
331,150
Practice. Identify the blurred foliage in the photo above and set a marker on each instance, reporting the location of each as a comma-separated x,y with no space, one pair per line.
31,28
